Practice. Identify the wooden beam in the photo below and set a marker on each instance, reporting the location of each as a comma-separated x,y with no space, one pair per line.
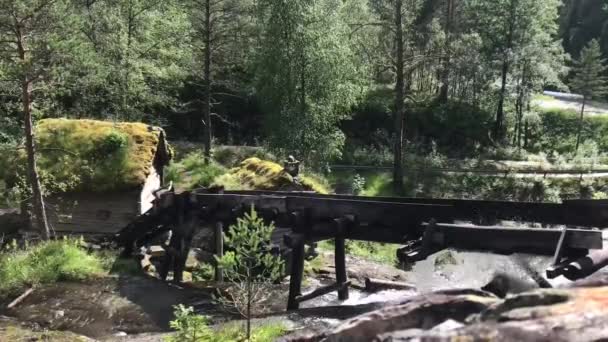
512,239
373,285
323,291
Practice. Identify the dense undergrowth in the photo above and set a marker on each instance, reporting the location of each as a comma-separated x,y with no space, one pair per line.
46,262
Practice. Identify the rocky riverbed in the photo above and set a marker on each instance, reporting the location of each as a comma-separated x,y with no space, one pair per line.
446,302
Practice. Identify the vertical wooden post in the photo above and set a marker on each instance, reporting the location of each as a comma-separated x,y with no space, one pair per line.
219,249
340,260
297,270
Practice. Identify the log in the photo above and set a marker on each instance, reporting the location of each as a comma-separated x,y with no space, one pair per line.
322,291
373,285
20,298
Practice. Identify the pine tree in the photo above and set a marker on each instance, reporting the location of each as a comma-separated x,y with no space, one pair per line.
589,78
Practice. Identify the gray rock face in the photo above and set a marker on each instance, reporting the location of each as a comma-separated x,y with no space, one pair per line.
565,314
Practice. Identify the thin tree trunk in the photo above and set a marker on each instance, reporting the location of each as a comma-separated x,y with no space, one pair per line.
499,123
399,102
580,124
30,145
207,71
499,129
445,69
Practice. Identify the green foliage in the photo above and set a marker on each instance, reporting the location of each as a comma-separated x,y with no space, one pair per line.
384,253
203,272
191,327
358,184
589,79
112,263
46,262
248,256
557,131
307,80
193,172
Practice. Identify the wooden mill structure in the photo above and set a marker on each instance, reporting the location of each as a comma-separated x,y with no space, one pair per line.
568,230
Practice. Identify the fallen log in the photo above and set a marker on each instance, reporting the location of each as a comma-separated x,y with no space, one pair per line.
374,285
20,298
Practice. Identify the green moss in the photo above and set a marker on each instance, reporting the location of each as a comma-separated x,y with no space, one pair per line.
47,262
258,174
193,172
92,155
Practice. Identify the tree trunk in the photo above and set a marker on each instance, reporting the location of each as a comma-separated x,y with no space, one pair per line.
399,102
499,131
580,124
445,70
207,71
37,200
30,145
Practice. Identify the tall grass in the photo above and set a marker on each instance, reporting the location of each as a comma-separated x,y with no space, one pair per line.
44,263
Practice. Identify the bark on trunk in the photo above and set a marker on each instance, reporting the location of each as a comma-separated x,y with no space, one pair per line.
207,71
580,124
499,129
30,145
499,123
399,102
445,72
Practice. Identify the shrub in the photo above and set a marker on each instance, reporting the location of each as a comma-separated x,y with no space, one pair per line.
249,265
191,327
193,172
47,262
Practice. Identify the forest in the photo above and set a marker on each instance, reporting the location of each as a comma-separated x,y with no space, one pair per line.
110,100
395,83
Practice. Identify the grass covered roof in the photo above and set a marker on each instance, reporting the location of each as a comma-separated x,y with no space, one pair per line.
95,155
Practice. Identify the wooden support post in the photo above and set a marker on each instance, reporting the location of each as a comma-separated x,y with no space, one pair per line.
297,270
340,260
219,249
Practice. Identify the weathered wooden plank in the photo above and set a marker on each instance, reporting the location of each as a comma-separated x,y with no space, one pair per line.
372,212
508,239
575,212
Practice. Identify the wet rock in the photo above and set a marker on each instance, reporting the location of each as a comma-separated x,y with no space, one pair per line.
573,314
445,258
419,312
502,284
57,314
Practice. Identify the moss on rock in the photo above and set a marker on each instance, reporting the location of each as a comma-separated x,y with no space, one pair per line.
255,173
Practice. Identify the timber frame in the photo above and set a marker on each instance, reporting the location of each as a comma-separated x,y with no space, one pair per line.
424,226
